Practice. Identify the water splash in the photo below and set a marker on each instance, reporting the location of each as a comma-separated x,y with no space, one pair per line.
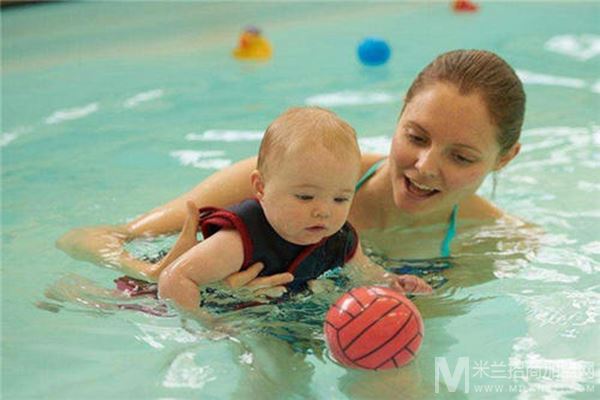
185,373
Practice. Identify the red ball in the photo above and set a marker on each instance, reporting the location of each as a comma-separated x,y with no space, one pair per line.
373,328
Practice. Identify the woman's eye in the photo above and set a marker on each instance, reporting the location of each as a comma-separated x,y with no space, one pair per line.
462,159
304,197
416,139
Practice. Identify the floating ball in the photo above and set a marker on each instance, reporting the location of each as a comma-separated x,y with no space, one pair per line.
373,51
373,328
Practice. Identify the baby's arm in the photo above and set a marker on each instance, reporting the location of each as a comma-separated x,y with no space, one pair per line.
363,270
208,261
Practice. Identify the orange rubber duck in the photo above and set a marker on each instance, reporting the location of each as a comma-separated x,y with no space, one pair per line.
464,6
252,45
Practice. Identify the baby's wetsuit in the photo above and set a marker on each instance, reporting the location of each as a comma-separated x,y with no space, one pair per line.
262,243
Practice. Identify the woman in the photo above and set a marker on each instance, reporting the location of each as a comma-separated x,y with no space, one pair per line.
461,121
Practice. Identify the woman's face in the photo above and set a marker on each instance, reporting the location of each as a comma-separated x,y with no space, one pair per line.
444,146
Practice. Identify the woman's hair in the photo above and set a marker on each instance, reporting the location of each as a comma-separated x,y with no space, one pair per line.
304,128
486,74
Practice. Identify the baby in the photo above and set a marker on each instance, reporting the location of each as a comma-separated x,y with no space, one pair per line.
308,165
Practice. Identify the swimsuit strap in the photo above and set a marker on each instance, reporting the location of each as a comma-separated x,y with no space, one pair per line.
370,172
450,233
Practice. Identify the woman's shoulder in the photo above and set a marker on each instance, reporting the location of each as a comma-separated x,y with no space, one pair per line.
486,229
480,211
368,159
477,208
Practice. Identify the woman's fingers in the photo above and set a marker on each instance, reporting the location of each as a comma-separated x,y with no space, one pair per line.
397,285
259,285
412,284
241,278
272,281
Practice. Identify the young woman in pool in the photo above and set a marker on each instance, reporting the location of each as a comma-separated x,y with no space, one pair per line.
461,121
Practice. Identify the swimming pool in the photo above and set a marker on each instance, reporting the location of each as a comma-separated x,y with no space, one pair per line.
109,109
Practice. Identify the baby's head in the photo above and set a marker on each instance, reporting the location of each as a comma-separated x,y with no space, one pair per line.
308,165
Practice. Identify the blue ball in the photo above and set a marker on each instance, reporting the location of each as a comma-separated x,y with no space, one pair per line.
373,51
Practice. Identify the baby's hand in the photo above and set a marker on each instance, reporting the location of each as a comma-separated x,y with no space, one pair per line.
410,284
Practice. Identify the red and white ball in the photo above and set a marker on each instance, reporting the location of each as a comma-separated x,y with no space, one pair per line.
373,328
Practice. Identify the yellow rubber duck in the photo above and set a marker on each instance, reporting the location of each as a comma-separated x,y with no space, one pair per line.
252,46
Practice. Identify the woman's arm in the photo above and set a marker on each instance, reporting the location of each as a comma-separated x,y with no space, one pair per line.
223,188
103,245
363,271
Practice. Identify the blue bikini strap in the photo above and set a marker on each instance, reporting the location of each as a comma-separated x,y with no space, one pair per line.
450,233
370,172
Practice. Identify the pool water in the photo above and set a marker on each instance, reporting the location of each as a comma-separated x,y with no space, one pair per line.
110,109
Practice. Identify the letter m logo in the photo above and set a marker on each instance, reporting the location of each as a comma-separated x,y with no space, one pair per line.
452,380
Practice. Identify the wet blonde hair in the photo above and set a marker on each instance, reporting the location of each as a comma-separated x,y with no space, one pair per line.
305,127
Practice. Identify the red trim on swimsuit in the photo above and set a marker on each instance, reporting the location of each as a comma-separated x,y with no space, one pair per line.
212,219
303,254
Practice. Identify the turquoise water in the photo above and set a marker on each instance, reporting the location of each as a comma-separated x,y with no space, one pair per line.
110,109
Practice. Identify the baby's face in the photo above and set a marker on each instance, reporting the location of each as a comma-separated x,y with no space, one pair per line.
308,194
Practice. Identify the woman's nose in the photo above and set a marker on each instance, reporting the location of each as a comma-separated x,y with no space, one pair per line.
427,163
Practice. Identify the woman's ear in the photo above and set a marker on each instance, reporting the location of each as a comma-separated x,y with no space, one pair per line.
507,157
258,184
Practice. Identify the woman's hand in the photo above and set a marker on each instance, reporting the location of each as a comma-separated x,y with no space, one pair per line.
266,286
410,284
95,244
104,245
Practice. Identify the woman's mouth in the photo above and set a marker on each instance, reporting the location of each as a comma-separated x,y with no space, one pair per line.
419,190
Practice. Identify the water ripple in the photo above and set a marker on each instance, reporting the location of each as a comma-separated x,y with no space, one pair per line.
552,378
535,78
350,98
8,137
225,135
202,159
143,97
581,48
375,144
71,113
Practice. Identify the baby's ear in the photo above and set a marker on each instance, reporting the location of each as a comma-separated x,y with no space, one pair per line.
258,184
